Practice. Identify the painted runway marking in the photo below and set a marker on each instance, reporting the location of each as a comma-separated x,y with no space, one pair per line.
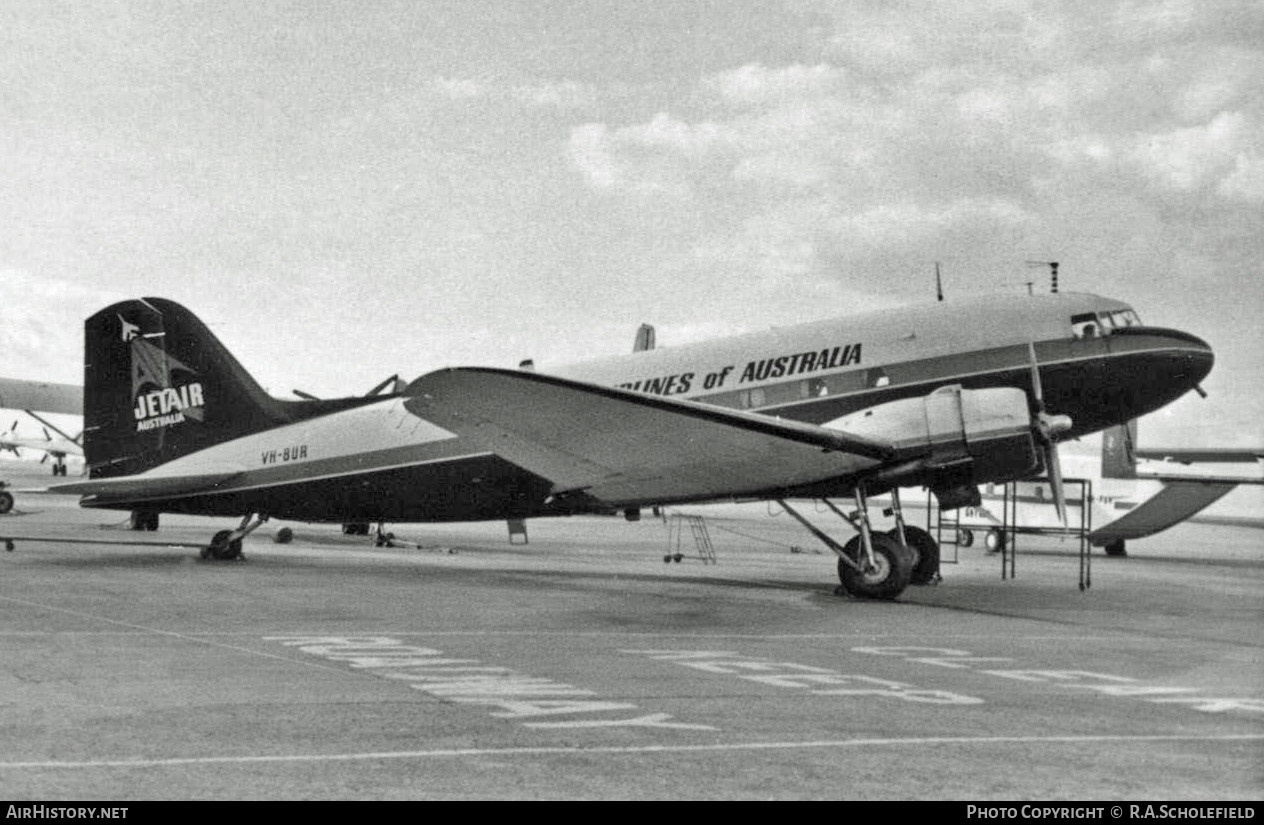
1107,684
818,681
631,750
170,633
471,682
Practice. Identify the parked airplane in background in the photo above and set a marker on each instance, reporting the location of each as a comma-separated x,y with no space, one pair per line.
947,396
1134,493
58,448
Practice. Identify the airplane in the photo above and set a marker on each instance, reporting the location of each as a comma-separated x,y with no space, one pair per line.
1133,493
946,396
58,448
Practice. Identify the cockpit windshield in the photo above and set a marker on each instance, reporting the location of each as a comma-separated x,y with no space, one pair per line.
1092,324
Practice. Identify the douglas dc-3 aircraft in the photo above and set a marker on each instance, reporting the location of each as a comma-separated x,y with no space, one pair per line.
946,396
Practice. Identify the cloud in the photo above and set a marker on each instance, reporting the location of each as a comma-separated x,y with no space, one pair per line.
550,94
1002,133
41,323
1197,156
660,156
758,85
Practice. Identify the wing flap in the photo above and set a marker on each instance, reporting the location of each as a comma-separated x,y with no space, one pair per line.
624,447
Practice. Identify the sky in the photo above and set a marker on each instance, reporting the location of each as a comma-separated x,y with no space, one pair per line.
346,190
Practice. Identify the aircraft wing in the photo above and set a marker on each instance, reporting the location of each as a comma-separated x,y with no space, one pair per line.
41,396
145,486
1177,501
627,448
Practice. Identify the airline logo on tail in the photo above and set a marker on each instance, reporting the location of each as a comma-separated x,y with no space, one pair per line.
159,401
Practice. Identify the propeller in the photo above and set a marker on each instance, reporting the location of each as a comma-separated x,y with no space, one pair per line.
1047,429
13,431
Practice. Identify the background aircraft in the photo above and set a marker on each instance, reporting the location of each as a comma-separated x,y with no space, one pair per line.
56,447
33,398
1133,492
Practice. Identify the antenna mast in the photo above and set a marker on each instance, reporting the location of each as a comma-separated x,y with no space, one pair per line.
939,284
1053,273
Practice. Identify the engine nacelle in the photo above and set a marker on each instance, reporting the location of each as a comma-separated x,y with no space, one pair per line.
951,441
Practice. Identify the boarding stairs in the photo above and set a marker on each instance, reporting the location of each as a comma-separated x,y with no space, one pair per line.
701,539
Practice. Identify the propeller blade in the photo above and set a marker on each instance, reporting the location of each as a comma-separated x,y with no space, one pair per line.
1047,429
1036,389
1053,466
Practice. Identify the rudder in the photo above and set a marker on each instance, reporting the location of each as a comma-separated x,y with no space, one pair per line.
1118,445
158,385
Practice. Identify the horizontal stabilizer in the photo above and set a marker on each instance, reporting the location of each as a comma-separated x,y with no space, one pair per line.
1214,455
1177,501
623,447
145,486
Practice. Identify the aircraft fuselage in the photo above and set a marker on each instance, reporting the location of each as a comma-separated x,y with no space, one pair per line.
379,462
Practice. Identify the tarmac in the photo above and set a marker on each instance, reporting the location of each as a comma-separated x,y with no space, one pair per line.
579,665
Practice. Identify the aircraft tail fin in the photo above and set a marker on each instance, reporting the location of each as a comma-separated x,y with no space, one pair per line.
158,385
1119,443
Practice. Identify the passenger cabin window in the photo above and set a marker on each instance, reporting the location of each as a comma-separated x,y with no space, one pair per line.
755,397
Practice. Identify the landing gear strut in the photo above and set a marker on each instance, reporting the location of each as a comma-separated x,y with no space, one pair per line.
871,565
226,544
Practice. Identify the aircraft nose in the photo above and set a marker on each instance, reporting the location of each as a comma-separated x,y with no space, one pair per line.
1193,357
1160,364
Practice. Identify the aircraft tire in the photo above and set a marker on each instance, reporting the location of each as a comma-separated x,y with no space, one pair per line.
1116,548
284,536
6,502
965,538
894,566
221,549
925,553
994,541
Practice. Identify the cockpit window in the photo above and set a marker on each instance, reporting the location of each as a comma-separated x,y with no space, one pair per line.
1125,318
1085,325
1093,324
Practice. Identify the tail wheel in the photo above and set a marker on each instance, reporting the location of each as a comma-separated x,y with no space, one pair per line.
6,502
925,553
144,520
221,549
889,575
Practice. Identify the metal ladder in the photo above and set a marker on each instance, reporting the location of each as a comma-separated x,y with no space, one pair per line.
701,539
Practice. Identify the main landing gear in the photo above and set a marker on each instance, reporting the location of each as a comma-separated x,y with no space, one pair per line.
878,565
226,544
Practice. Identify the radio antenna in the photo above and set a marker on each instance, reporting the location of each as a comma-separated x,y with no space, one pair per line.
1053,273
939,284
